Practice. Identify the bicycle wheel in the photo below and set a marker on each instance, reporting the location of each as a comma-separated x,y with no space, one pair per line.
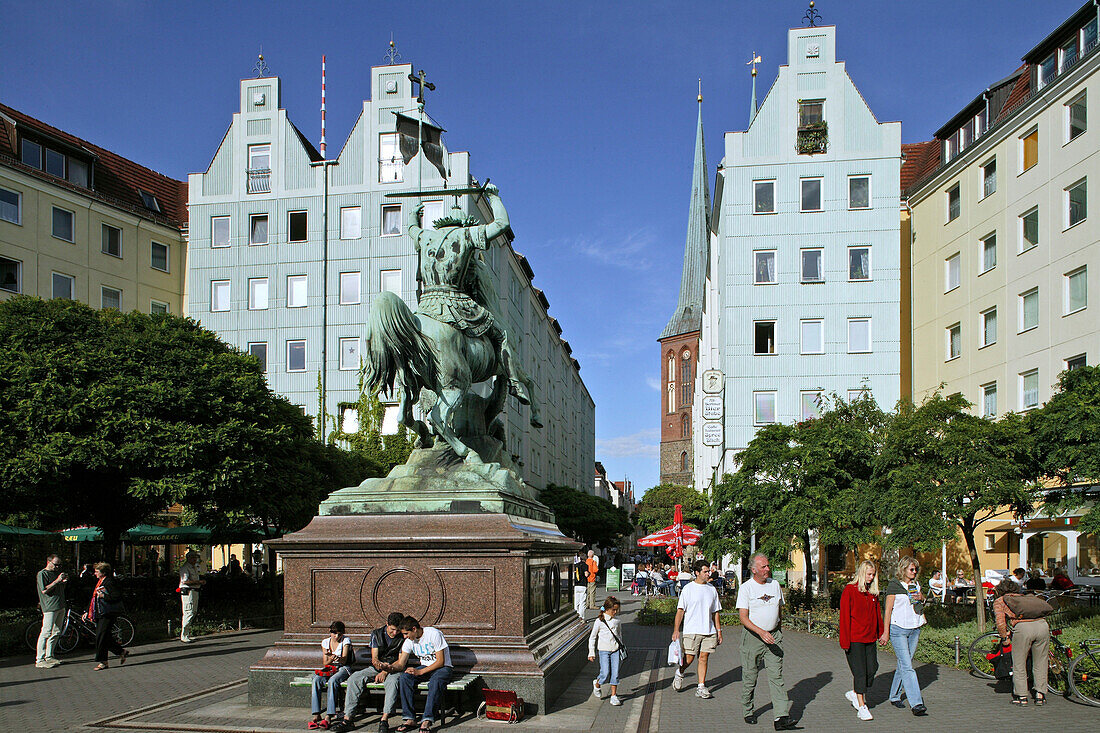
123,631
34,629
69,639
1084,679
985,644
1057,671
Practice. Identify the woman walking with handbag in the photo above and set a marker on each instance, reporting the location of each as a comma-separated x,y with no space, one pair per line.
104,608
606,641
1020,620
905,615
860,627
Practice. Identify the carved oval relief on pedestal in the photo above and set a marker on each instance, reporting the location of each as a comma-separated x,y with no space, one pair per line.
398,590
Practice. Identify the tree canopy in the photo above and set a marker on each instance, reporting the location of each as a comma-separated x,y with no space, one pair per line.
655,511
586,518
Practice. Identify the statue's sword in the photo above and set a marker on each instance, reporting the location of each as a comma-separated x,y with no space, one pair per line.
439,192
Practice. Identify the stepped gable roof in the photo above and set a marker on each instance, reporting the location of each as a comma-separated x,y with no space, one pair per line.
117,181
688,315
920,160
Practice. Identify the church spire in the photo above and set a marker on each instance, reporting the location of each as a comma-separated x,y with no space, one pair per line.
752,105
688,316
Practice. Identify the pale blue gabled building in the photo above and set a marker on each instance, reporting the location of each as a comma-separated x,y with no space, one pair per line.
803,280
261,274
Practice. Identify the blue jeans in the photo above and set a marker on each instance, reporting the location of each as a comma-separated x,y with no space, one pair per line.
333,685
609,667
437,682
904,642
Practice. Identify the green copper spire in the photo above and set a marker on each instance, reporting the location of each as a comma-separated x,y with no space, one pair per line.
688,316
752,105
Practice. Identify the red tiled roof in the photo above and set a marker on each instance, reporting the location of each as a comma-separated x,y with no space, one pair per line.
920,160
117,180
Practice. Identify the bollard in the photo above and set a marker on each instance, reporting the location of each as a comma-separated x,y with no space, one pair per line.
807,621
957,650
169,628
238,625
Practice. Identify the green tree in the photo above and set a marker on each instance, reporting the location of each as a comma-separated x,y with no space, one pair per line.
655,511
943,470
1067,429
586,518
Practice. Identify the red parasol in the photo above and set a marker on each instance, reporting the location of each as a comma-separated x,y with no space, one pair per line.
674,537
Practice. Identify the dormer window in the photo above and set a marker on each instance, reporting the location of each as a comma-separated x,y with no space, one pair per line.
54,162
1048,69
31,154
149,200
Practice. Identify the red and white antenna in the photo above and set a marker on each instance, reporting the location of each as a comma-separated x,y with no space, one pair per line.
323,107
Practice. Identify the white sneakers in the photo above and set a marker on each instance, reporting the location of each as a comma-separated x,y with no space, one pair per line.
851,695
678,681
703,692
596,690
47,663
864,713
615,700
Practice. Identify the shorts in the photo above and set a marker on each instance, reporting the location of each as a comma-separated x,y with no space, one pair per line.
700,643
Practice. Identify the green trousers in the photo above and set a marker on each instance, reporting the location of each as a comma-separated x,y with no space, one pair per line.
752,649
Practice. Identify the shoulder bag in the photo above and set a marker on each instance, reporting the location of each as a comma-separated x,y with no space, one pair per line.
622,649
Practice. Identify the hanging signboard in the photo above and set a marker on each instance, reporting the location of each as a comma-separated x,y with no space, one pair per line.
713,381
712,433
712,407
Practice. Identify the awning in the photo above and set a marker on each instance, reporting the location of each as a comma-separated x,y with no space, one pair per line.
7,530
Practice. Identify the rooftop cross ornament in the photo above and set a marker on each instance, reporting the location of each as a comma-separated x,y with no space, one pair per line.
392,56
261,66
422,83
812,16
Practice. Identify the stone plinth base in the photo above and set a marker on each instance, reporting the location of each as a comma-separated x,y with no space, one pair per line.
496,585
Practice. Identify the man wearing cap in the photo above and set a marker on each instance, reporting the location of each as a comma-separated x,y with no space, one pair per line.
191,583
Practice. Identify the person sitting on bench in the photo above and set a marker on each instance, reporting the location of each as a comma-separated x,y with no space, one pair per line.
336,651
432,665
385,649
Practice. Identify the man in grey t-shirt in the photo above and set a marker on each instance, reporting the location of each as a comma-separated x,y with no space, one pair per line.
51,598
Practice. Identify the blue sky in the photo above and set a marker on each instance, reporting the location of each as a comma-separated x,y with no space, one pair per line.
582,112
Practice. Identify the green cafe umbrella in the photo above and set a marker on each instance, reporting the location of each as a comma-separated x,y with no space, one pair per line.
82,534
7,530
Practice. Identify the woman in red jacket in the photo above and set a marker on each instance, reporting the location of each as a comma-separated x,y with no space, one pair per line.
860,627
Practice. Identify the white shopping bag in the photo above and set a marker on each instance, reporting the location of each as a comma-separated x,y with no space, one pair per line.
674,653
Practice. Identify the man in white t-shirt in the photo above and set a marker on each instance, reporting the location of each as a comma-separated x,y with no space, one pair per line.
699,610
191,583
758,601
431,664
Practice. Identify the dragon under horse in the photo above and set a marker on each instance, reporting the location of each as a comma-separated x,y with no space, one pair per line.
433,358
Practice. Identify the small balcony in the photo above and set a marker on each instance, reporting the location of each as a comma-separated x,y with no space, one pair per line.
812,138
259,180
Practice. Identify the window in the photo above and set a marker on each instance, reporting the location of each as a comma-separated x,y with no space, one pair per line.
763,197
1076,118
859,335
257,293
1029,310
1088,37
687,378
349,353
63,224
987,321
219,231
1029,230
859,263
1029,150
391,220
112,241
763,337
812,271
1029,389
78,173
258,351
391,168
764,267
110,298
1075,362
988,253
1076,203
147,198
954,203
763,408
811,194
31,154
157,307
671,367
390,280
811,112
350,288
219,295
683,460
257,229
812,336
296,356
63,286
810,403
1076,290
296,289
349,419
685,425
954,341
951,272
158,256
989,400
259,168
11,275
859,192
1067,54
55,163
989,178
351,222
296,225
11,206
855,395
433,211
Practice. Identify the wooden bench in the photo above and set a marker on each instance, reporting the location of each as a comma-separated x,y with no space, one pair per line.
453,695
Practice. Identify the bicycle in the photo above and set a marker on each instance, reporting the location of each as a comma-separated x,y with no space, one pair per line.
1084,674
74,628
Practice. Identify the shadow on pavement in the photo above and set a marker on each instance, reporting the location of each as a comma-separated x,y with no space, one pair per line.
805,691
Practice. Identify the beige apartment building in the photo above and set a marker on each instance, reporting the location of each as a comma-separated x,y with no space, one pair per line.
80,222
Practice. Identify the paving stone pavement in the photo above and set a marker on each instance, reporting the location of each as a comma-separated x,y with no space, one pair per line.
200,677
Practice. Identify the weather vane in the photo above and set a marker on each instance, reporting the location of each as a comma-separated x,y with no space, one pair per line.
812,16
261,66
754,61
392,56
